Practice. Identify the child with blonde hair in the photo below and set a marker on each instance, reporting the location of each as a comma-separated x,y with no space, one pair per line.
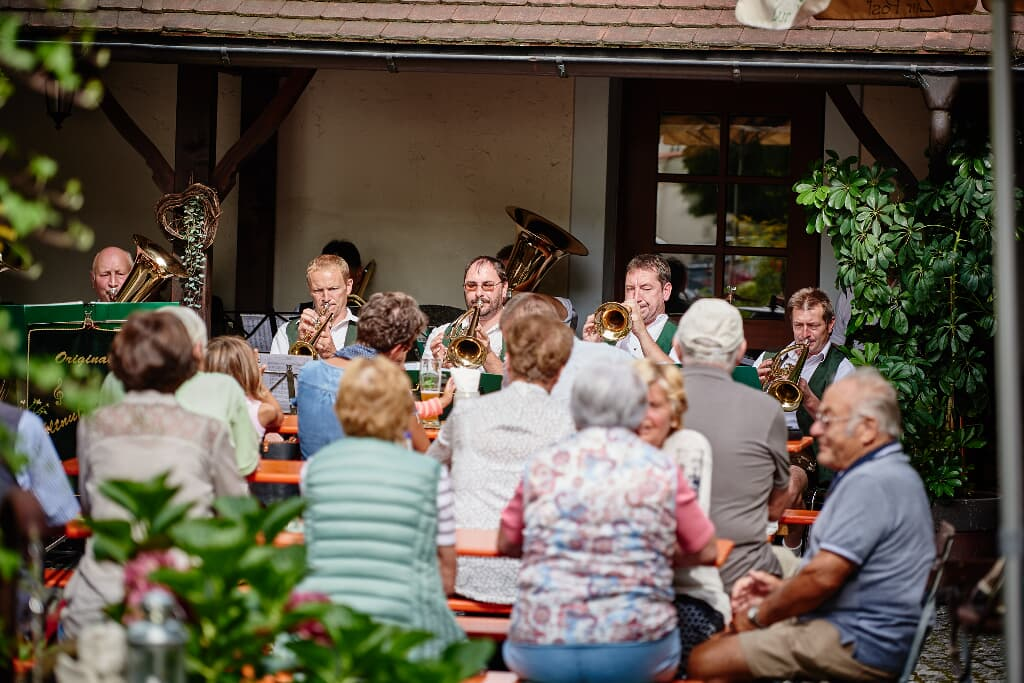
233,356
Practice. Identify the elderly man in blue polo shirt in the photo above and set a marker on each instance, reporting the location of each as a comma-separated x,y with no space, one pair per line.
852,609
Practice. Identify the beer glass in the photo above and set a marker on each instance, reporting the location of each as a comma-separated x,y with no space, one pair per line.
430,387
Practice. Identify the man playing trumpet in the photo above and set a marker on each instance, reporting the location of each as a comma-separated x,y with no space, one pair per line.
648,287
485,285
329,285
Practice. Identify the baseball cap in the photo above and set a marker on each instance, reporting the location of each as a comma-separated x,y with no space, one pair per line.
711,326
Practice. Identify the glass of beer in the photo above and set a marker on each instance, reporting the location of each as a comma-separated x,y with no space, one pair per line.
430,387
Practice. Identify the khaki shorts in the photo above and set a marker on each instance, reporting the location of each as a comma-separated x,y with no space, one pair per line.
810,649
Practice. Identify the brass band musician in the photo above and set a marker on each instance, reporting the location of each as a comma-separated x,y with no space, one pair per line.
648,287
485,285
329,283
110,267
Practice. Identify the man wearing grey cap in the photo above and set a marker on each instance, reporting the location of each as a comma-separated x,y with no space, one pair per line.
747,431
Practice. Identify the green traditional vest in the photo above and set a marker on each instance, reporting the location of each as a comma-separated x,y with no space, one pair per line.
371,536
664,340
292,330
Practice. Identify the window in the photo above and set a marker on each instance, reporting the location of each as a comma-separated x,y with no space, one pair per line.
706,175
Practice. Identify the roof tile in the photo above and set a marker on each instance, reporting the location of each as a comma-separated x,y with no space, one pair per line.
537,33
432,13
718,37
218,6
606,16
903,41
928,24
809,38
99,20
24,4
475,13
685,4
118,4
152,5
73,5
761,37
344,10
946,41
403,30
562,15
302,8
981,42
970,22
51,19
627,35
390,11
320,28
267,8
518,15
139,21
665,36
579,34
701,17
652,17
492,33
449,32
228,24
854,40
185,21
273,26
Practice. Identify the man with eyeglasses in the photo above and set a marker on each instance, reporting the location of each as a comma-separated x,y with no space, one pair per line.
648,287
851,611
484,284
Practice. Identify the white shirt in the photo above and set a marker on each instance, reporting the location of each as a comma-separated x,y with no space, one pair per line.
810,365
338,332
493,333
631,345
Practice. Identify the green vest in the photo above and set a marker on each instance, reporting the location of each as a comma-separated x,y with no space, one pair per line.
292,330
371,536
664,340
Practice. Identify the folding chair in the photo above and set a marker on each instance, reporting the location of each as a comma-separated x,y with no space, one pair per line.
943,546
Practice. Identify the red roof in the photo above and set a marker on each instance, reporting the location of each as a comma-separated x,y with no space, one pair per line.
693,26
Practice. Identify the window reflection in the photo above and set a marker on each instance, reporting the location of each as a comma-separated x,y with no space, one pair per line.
755,215
759,145
689,143
693,277
687,213
758,282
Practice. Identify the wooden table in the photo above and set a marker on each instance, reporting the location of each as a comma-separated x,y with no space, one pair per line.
267,471
797,445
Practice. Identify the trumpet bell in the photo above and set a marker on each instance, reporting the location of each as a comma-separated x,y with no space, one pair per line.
786,393
539,245
152,266
464,349
783,379
612,321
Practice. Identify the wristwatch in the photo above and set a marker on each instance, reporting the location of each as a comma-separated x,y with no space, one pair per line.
752,616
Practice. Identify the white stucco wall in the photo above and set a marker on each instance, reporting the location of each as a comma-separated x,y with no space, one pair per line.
417,169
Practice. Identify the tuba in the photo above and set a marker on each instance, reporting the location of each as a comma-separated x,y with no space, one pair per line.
304,346
782,382
612,321
539,245
152,266
464,349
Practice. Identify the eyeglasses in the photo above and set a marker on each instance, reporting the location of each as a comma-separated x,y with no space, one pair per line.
485,286
827,420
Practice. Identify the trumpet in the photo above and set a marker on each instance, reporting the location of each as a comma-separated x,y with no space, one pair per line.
464,349
782,382
304,346
612,321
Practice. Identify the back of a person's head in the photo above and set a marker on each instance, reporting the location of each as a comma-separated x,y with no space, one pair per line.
608,395
710,333
233,356
537,347
152,350
374,399
193,323
346,250
524,304
389,319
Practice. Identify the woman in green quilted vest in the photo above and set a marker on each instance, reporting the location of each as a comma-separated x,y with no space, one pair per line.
371,523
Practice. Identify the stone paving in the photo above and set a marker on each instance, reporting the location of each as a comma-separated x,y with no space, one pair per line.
935,666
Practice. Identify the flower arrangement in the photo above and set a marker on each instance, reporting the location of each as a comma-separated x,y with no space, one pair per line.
236,592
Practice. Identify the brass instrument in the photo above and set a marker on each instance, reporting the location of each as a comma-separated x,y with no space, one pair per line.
612,321
304,345
152,266
782,382
464,349
539,245
357,298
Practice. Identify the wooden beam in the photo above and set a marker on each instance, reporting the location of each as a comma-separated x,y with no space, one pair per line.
257,201
195,149
865,131
163,174
262,128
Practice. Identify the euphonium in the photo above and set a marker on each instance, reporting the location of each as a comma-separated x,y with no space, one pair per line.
782,382
152,266
464,349
612,321
304,346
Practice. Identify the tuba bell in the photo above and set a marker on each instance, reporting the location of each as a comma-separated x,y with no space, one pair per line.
152,266
612,321
464,349
782,382
538,246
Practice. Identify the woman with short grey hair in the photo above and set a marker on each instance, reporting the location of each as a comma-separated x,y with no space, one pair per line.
596,519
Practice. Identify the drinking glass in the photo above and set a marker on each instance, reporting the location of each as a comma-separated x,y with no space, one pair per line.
430,387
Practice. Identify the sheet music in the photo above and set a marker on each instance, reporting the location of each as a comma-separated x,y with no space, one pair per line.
275,377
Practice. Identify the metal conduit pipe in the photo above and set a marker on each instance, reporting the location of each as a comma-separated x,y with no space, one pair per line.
752,67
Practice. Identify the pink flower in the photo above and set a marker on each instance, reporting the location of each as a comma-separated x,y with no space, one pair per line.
136,577
310,629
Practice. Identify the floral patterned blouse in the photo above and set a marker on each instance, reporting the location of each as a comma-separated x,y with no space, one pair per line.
599,516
